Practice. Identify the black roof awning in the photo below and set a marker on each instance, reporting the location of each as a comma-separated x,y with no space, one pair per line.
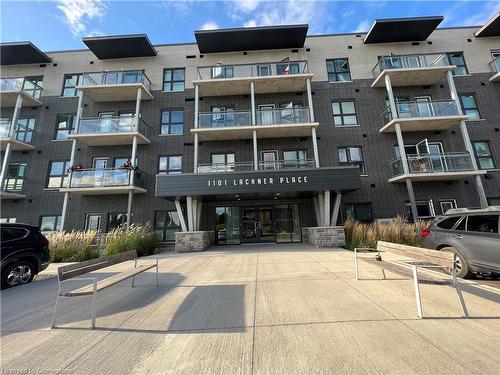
17,53
251,38
402,29
120,46
490,28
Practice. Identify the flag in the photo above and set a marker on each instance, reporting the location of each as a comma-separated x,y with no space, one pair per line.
287,68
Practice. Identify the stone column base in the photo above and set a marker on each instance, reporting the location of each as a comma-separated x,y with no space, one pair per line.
192,241
324,236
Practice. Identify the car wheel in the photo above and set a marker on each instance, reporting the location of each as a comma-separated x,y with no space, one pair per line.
17,273
461,265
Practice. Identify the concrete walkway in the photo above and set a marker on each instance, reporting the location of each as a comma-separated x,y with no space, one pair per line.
288,309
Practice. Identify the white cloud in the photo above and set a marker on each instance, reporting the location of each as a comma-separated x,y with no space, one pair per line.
363,26
250,23
488,10
246,6
78,12
210,25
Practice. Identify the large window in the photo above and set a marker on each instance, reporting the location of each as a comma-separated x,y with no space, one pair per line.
223,162
482,223
172,121
58,174
170,164
25,128
70,83
115,219
295,159
457,59
167,223
484,157
50,223
352,156
173,79
469,106
65,125
425,210
14,180
359,211
33,86
338,70
344,113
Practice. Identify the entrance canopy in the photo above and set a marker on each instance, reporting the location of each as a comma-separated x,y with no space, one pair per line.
257,184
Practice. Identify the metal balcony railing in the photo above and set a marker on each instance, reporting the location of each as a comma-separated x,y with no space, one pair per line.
114,78
29,87
115,124
23,133
495,64
262,166
283,116
434,163
419,109
410,62
5,128
226,119
252,70
99,178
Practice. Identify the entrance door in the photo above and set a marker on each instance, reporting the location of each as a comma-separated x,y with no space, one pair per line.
257,224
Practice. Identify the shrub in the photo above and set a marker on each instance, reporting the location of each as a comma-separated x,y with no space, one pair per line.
366,235
74,246
136,237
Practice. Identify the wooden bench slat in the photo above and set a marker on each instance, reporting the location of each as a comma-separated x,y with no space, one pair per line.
109,281
442,258
430,252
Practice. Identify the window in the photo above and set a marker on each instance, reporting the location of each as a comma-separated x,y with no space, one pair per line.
223,162
222,117
14,180
295,159
50,223
287,68
33,86
8,220
115,219
338,70
58,174
65,125
359,211
449,223
9,234
70,83
93,222
352,156
457,58
170,164
173,80
469,106
425,209
482,223
219,71
482,152
167,223
24,131
446,205
172,121
344,113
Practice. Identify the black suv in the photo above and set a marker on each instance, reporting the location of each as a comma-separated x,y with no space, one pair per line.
25,252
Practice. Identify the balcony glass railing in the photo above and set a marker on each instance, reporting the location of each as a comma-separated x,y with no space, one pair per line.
5,128
98,178
283,116
23,133
262,166
124,77
434,163
30,87
105,125
410,62
227,119
419,109
252,70
495,64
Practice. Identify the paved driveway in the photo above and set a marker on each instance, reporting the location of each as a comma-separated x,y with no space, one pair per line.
266,309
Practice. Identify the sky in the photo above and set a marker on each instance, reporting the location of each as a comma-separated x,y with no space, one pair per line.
60,24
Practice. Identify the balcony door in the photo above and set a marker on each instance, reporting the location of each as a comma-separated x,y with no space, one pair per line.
269,159
424,106
266,114
413,61
110,78
106,122
99,165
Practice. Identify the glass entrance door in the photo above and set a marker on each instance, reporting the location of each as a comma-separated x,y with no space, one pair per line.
257,224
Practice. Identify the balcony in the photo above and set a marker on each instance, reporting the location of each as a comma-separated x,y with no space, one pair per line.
422,116
262,166
115,86
111,131
277,123
435,167
411,70
220,80
20,142
10,88
104,182
495,68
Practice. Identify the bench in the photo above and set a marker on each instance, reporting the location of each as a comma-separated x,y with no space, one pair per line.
424,258
69,272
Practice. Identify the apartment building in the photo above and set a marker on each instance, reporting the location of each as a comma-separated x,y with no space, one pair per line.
254,134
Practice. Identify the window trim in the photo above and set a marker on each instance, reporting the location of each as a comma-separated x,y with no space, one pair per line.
173,81
342,115
348,163
462,105
458,66
478,158
167,171
63,176
170,110
16,177
70,130
335,72
64,86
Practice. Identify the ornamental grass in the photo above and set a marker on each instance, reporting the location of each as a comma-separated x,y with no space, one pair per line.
141,238
74,246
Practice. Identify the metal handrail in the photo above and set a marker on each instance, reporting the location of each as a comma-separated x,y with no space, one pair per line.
419,109
423,60
262,165
114,124
98,78
251,69
432,163
19,84
105,177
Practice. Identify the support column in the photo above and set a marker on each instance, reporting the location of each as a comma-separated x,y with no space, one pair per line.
79,111
138,108
252,102
196,119
336,209
12,135
390,96
317,211
321,202
411,195
181,215
198,214
468,145
189,204
254,123
129,207
311,117
327,208
315,146
255,152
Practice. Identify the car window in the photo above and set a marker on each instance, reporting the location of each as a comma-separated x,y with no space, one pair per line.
461,225
8,234
448,223
482,223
